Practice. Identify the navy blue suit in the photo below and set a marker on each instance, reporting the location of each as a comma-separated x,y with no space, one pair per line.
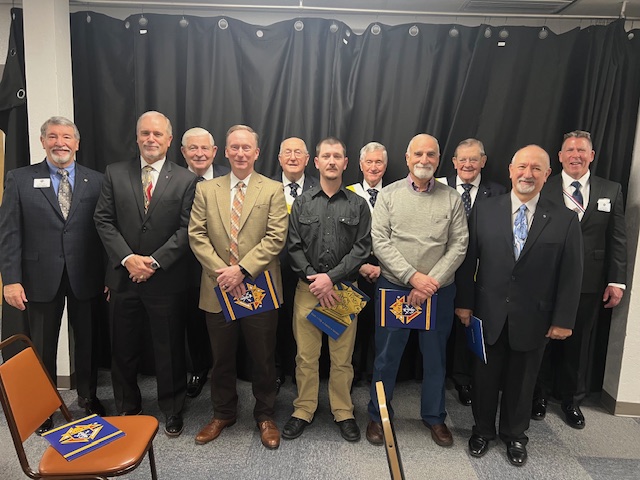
54,259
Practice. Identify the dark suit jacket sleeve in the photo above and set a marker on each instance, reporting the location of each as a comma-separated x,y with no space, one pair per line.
178,243
465,284
11,233
569,278
106,222
617,243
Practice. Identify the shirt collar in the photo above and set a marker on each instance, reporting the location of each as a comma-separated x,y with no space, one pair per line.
286,181
235,180
567,180
53,169
430,185
516,202
366,186
475,183
208,175
157,165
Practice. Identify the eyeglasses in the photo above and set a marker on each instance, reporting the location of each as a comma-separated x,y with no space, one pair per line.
295,153
472,161
578,134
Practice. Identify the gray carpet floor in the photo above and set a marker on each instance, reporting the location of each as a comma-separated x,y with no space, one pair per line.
608,448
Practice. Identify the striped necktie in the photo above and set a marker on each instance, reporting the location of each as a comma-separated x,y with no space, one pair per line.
236,212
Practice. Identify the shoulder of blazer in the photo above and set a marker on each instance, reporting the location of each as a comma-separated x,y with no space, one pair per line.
451,181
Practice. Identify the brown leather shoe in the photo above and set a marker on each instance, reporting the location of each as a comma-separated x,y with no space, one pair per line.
212,430
375,434
269,434
440,434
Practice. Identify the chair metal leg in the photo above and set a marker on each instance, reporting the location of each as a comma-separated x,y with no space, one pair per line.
152,463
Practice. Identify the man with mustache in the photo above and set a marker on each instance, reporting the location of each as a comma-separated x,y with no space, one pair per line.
328,241
521,277
50,252
420,236
142,218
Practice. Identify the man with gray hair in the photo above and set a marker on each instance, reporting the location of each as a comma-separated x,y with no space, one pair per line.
468,160
373,165
198,149
420,237
50,252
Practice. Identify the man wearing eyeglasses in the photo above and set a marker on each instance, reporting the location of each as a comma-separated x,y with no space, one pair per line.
468,160
293,158
600,209
198,149
373,164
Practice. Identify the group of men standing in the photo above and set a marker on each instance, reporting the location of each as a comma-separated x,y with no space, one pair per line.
515,261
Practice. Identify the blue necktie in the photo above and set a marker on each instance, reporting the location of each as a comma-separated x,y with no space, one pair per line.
466,197
520,231
373,194
577,194
294,189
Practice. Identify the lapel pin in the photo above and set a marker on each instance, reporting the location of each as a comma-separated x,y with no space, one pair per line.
85,179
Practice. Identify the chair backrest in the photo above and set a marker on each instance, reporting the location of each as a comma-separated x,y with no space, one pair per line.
390,442
27,393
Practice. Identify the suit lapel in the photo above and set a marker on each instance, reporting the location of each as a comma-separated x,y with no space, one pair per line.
540,220
253,190
163,181
79,186
223,200
595,192
135,177
506,225
49,193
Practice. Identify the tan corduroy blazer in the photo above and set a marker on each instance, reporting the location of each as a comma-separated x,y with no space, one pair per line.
262,235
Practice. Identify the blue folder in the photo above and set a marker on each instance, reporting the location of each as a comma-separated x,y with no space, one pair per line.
334,321
261,296
475,338
393,310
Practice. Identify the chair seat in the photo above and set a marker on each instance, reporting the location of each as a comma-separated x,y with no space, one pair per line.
121,454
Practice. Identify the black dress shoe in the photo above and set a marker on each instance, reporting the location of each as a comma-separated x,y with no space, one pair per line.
573,415
92,406
349,430
195,384
516,453
174,425
464,394
478,445
294,428
46,426
539,408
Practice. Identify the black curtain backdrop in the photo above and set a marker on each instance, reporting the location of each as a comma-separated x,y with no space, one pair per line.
315,77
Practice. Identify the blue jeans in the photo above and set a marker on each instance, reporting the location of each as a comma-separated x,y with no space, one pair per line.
390,344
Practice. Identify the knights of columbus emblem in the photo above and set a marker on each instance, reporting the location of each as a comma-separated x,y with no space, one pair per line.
252,299
81,433
404,312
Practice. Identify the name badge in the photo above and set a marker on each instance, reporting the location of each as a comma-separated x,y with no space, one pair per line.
41,182
604,204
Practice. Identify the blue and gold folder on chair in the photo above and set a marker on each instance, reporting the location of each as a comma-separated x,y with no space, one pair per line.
334,321
261,296
393,310
74,439
475,338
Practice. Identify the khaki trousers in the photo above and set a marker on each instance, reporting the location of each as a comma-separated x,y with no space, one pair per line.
309,341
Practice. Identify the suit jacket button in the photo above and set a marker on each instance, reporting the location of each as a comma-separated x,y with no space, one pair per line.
144,229
507,300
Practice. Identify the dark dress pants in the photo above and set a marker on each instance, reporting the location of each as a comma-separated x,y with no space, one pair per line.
44,326
515,373
285,343
259,332
132,311
198,346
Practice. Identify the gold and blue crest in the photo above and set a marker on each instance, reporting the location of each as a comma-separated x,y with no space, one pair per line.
260,296
393,310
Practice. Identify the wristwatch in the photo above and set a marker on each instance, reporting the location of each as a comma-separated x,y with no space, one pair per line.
155,265
244,272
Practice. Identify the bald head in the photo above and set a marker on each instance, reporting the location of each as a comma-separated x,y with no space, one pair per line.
529,170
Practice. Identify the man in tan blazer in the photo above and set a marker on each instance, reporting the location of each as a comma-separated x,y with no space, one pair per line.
253,208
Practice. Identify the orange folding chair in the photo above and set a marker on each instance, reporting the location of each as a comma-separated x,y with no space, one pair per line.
29,397
390,443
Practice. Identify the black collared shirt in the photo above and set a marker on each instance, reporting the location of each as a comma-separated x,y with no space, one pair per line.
329,235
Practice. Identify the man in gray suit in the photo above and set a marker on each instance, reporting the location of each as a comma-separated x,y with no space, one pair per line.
50,251
142,218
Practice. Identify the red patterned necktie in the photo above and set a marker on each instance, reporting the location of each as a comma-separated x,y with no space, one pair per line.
236,212
147,185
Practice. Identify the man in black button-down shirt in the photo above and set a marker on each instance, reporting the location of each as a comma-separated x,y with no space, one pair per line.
329,238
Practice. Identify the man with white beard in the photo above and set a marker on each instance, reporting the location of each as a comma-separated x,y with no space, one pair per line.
419,233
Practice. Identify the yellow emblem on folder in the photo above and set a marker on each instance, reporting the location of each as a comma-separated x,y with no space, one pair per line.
81,433
252,298
403,311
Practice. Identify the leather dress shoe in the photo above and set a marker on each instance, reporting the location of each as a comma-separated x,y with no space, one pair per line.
375,434
349,430
573,415
91,406
440,434
478,445
195,383
213,429
133,411
539,408
269,434
174,425
46,426
294,428
464,394
516,453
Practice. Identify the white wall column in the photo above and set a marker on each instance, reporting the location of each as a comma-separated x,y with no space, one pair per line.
47,50
621,388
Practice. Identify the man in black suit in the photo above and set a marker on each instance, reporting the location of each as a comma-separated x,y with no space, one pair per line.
293,158
198,149
599,205
50,251
521,277
468,160
142,218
